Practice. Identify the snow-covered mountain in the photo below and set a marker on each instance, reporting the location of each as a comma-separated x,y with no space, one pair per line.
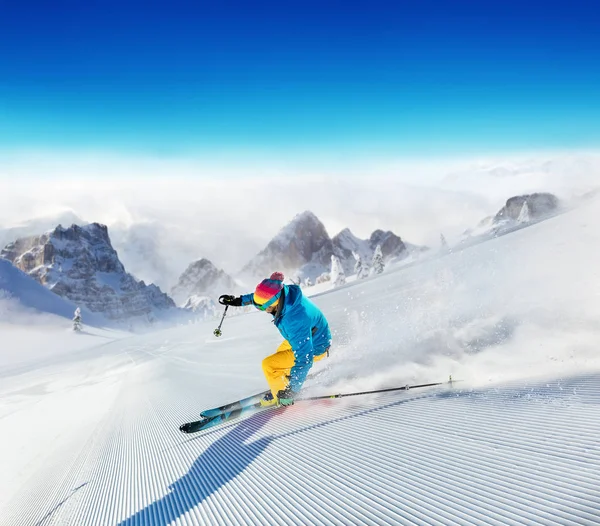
301,244
80,264
518,212
202,278
539,206
303,249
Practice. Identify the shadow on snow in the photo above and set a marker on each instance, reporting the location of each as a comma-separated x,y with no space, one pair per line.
230,455
221,462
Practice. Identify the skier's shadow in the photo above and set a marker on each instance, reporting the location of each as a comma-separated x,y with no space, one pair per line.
230,455
222,461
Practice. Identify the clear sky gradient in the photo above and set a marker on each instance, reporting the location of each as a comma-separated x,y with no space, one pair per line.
412,78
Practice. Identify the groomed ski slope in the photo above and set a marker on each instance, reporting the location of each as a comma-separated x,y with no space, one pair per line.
94,440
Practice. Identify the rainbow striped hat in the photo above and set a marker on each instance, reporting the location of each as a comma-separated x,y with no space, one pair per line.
268,291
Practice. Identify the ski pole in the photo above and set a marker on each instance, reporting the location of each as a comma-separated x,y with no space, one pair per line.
217,332
344,395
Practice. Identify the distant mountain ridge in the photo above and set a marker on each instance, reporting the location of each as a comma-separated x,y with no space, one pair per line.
518,212
79,263
201,278
303,248
538,204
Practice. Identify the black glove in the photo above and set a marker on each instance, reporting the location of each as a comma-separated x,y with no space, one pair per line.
230,300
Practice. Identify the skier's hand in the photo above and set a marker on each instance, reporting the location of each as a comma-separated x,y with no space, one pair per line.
226,299
286,397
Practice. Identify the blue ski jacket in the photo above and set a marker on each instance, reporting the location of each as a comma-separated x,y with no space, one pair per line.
304,326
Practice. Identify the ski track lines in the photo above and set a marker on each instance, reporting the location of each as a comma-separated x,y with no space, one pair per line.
507,456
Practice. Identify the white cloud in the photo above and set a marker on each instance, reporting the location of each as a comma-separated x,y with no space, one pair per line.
228,209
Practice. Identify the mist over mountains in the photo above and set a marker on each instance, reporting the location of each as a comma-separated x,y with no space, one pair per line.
80,264
159,224
189,254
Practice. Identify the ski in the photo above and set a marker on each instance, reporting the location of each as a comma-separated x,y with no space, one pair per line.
221,418
244,402
238,410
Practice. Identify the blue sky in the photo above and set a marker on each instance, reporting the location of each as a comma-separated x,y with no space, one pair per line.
299,77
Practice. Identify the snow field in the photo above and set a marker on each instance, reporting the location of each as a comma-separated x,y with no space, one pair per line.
515,443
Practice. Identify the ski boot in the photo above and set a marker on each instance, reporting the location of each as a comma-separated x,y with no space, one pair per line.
268,400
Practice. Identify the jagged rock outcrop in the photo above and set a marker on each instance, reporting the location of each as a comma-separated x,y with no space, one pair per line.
80,264
201,279
539,205
518,212
391,245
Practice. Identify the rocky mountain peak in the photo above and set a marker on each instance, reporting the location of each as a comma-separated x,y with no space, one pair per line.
391,244
301,241
202,278
518,212
305,217
80,264
42,256
305,232
35,226
346,244
539,205
345,236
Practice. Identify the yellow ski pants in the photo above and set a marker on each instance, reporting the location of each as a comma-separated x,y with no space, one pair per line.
277,367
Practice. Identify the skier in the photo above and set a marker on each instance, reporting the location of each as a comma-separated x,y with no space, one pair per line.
300,322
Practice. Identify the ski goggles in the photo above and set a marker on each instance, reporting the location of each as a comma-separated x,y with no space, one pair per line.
268,303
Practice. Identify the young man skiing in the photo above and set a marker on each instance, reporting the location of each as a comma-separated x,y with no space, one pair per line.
300,322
